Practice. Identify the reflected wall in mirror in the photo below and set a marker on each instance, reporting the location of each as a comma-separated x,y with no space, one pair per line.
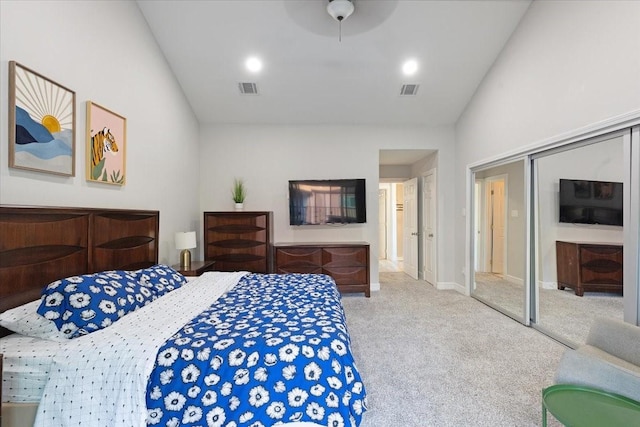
573,253
499,247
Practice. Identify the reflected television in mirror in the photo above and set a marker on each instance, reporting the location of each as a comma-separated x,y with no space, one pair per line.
590,202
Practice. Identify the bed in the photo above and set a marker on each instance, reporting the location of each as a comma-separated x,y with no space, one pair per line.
227,349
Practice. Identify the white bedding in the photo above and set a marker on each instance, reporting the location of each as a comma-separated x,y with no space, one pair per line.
27,362
91,382
26,365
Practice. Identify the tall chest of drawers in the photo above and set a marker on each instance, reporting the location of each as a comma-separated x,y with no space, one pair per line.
239,241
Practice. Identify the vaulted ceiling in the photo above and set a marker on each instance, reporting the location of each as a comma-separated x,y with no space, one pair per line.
310,76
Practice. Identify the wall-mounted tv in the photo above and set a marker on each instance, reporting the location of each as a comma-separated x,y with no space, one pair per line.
590,202
330,201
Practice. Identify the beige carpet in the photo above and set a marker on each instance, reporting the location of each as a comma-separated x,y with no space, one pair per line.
438,358
561,312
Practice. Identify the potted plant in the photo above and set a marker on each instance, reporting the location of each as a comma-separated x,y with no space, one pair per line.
239,193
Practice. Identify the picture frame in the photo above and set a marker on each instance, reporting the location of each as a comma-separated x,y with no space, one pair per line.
42,122
603,190
106,145
582,189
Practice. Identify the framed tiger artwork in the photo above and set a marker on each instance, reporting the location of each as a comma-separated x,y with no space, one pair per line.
106,145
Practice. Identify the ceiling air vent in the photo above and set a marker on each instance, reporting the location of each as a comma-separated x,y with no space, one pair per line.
248,88
409,90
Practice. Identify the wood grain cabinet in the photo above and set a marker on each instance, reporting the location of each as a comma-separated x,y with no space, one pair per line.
589,266
347,263
197,268
239,241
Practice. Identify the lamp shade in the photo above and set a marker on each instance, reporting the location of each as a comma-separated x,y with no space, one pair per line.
185,240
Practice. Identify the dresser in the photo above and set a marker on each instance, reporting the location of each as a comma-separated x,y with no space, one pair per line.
347,263
239,241
589,266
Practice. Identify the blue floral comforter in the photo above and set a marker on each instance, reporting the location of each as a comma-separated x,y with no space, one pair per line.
273,350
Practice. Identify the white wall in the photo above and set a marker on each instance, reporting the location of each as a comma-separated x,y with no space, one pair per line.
395,172
568,65
104,51
267,157
424,165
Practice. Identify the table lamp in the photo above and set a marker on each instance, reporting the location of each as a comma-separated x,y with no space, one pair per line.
185,240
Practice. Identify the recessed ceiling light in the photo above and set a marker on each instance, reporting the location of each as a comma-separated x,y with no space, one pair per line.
410,67
253,64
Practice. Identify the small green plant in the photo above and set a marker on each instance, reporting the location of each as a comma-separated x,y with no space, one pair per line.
239,191
116,178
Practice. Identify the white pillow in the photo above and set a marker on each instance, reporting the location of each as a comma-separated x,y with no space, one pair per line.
26,321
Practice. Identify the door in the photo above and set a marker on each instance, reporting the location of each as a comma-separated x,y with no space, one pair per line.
605,158
429,226
410,229
382,223
496,194
499,242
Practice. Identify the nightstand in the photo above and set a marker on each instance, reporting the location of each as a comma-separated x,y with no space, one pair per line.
197,268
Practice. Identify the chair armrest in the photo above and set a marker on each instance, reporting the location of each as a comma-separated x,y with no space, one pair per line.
585,369
617,338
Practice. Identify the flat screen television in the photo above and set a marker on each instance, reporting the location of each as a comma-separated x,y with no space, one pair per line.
590,202
330,201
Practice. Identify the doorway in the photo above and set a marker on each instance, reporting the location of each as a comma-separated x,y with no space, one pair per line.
407,227
391,227
398,167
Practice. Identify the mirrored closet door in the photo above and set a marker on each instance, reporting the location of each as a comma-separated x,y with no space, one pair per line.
499,238
555,234
578,216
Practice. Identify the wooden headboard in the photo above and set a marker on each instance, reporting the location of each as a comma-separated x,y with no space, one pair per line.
41,244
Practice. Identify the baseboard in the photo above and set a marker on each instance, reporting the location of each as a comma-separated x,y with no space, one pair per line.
547,285
514,280
441,286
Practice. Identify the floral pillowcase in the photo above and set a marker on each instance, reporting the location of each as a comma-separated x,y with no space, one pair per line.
79,305
160,278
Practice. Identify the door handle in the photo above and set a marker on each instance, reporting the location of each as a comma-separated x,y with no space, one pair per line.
430,234
414,234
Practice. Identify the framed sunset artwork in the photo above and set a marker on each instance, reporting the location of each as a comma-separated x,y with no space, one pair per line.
42,118
106,145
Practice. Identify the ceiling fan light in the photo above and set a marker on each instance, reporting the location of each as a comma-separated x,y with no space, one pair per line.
340,9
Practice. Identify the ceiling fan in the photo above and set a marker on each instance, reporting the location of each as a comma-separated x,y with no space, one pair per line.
363,15
340,10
